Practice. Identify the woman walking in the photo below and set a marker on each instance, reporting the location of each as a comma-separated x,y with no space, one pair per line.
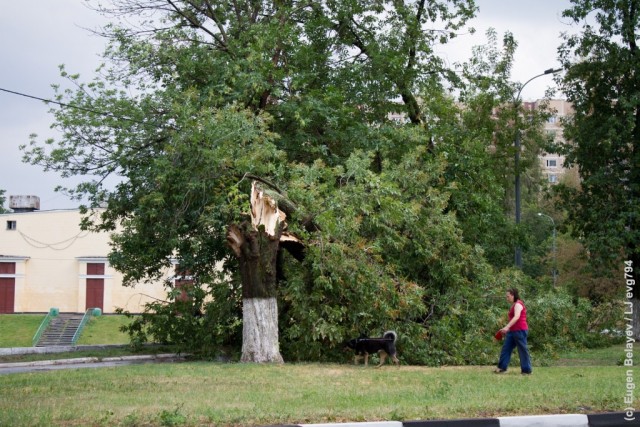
516,333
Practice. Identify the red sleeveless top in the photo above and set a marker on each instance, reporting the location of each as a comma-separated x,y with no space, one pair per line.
521,324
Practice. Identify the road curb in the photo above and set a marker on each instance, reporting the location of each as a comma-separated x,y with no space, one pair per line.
609,419
564,420
475,422
360,424
613,419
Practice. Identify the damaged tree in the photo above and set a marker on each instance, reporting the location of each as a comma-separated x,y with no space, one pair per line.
204,91
256,246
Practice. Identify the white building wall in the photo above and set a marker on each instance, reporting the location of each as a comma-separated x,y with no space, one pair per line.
51,253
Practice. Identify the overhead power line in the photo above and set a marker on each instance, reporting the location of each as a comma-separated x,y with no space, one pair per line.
77,107
102,113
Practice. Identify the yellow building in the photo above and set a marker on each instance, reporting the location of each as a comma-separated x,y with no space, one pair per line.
553,164
47,261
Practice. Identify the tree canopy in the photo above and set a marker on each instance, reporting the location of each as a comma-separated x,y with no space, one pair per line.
602,83
3,200
405,222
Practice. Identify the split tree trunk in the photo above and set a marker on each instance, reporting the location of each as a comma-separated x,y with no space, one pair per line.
256,247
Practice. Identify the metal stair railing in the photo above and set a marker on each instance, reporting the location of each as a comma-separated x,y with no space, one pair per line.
43,326
83,322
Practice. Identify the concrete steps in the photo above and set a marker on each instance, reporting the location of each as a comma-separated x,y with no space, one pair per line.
60,331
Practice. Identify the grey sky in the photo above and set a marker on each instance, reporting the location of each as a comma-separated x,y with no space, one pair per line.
36,36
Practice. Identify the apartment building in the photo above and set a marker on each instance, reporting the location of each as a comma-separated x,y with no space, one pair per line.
553,164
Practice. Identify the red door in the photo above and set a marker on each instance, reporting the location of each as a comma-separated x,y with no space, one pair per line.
7,287
7,294
95,294
95,287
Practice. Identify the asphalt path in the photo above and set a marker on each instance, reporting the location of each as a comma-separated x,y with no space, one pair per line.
84,363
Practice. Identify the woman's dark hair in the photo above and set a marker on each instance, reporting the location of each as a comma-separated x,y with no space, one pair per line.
514,292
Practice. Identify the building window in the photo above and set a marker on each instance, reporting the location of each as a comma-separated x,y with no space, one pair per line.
552,163
553,179
552,119
95,269
11,225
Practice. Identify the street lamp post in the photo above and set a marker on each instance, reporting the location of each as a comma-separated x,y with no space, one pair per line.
516,104
555,258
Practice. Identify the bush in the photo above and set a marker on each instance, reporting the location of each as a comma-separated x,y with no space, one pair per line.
559,321
451,325
205,323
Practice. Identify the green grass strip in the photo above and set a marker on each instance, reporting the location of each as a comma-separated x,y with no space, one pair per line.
197,393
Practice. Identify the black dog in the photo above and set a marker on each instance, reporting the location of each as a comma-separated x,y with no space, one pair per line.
385,346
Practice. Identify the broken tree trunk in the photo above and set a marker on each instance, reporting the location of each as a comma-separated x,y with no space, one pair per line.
256,247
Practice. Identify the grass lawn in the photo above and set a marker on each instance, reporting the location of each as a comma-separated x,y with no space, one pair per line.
104,330
205,393
233,394
17,330
595,357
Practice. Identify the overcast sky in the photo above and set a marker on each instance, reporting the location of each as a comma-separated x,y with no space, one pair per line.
36,36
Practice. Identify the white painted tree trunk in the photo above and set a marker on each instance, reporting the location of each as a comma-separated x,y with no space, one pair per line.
260,331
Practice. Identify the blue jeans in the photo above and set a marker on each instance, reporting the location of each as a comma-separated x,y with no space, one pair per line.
512,340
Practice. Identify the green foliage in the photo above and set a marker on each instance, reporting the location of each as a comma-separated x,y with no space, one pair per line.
203,323
603,135
400,220
3,200
388,259
172,418
479,151
558,321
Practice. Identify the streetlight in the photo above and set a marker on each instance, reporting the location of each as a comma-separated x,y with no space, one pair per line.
516,104
555,259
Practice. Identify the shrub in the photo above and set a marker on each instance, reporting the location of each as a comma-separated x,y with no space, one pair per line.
558,320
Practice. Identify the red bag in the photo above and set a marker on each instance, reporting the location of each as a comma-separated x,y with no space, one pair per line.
498,336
